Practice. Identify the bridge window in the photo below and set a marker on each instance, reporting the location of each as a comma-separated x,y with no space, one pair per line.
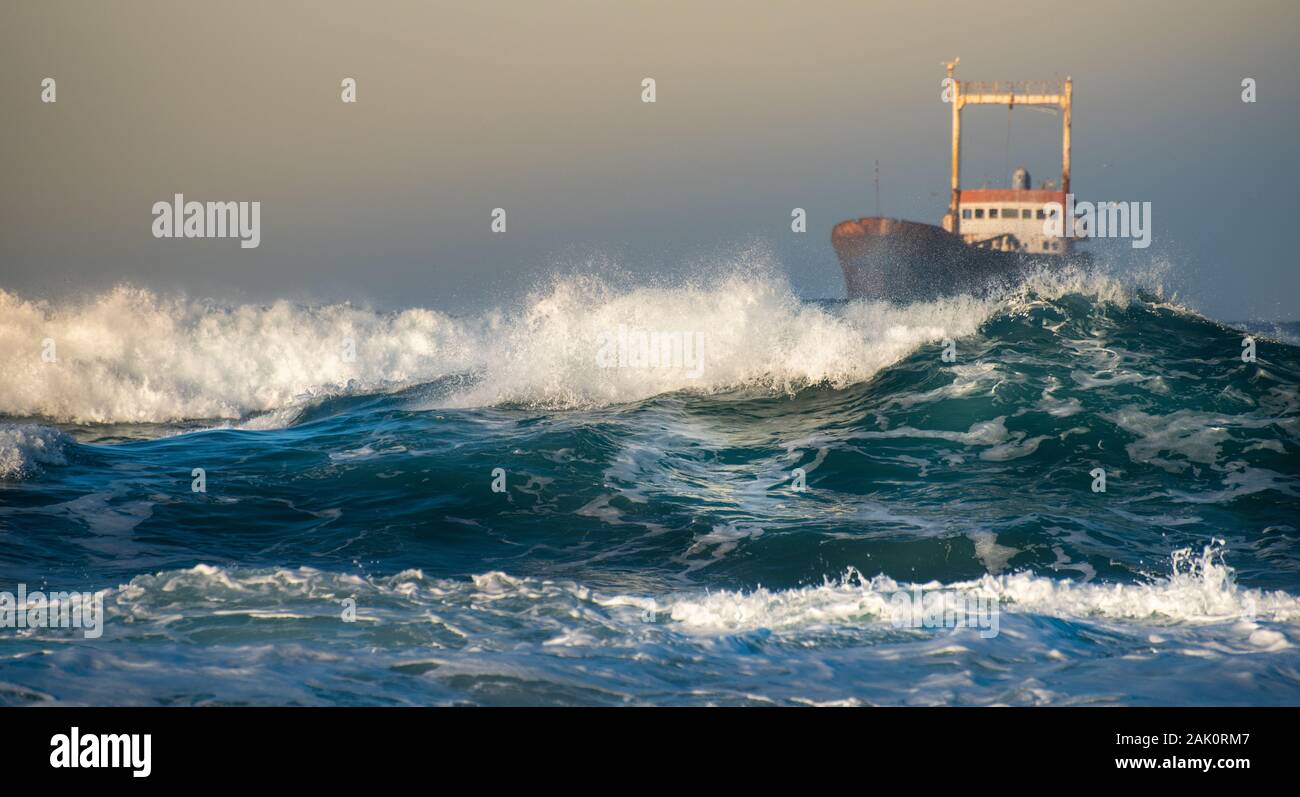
979,213
965,213
1026,213
993,213
1009,213
1042,214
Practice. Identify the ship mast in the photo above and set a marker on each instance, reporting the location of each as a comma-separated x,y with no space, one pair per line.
1059,94
953,224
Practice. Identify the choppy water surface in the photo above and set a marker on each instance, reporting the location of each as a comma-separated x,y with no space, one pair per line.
649,547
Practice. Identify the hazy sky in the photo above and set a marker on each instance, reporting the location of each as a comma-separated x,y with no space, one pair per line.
536,108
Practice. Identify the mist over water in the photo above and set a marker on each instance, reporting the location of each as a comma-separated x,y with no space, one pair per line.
649,546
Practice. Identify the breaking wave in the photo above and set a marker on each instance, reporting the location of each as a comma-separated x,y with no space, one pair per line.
1199,589
132,356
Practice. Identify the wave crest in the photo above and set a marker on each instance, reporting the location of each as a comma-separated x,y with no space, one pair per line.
131,356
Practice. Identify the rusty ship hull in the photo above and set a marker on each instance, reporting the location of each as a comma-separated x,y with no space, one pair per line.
902,261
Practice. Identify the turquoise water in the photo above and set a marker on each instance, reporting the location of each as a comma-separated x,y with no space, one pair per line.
649,546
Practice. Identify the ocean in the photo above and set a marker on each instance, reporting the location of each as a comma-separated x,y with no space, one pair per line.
1073,490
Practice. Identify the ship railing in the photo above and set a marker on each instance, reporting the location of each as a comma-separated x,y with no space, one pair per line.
1003,242
1018,87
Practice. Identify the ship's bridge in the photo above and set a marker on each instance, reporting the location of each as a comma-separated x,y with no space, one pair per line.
1009,219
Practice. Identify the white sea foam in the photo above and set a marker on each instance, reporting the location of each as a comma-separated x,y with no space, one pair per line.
129,355
1199,591
25,448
